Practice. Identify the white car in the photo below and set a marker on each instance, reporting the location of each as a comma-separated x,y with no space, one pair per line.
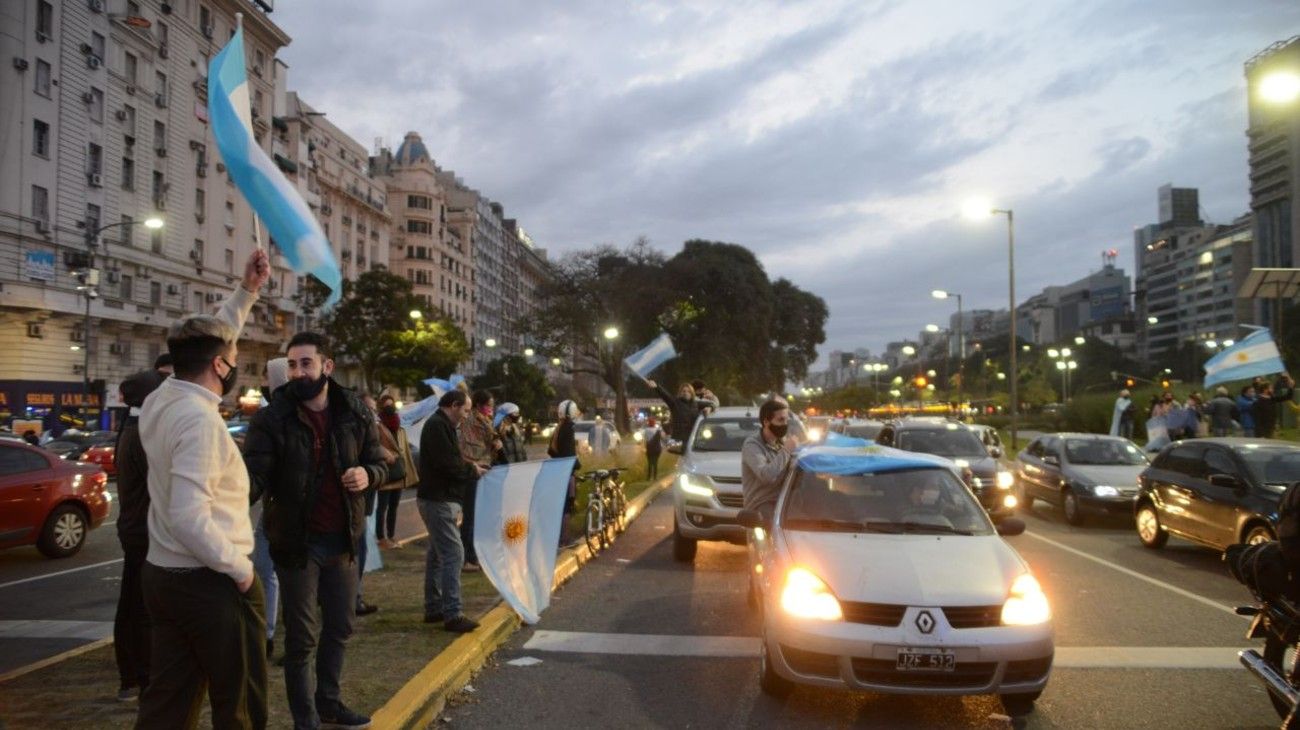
879,571
582,435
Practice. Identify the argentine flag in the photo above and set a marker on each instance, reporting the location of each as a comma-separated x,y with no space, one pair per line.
517,516
441,386
1257,354
655,354
291,223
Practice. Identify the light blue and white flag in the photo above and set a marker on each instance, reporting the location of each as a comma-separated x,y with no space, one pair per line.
517,515
291,223
658,352
1257,354
441,386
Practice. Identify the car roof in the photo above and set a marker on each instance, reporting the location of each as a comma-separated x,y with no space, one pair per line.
870,459
734,412
929,425
1240,442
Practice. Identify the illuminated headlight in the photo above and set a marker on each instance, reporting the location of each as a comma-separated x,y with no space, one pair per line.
108,496
1105,491
1006,479
815,434
1010,501
1027,604
692,484
807,596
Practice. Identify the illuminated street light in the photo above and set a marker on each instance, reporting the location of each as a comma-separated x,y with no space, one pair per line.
939,294
1281,87
1153,320
1002,376
416,314
1060,364
489,342
930,373
977,208
1080,340
1228,343
1211,344
909,350
611,333
555,361
529,352
932,328
153,222
1053,353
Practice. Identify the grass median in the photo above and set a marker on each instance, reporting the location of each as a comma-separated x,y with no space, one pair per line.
633,464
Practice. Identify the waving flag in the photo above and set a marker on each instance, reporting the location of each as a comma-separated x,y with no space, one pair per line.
655,354
517,517
1257,354
291,223
441,386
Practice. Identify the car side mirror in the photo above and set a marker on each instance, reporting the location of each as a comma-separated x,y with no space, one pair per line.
675,448
1010,527
995,452
751,519
1226,481
1052,459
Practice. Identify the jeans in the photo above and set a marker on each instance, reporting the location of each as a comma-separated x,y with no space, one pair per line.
131,624
265,568
205,633
328,580
467,523
652,465
443,559
386,514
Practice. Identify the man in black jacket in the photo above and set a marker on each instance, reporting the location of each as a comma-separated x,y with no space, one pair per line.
444,478
313,453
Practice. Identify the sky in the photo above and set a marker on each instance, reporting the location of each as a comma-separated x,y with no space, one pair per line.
838,139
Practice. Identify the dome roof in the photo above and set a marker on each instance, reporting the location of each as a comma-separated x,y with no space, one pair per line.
412,150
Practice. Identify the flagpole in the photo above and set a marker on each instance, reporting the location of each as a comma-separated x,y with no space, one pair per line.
257,222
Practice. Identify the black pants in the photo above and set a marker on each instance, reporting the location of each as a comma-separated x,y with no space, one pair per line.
386,522
467,522
131,624
206,635
652,464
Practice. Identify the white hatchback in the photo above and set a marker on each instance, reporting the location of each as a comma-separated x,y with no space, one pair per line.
879,571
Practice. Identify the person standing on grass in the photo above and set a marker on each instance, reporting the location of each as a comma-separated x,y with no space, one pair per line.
313,452
653,438
1223,412
478,445
444,477
513,446
390,494
203,597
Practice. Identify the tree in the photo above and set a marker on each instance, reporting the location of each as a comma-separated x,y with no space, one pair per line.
513,379
798,327
428,347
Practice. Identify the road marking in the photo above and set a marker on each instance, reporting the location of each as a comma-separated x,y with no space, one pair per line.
746,647
50,661
43,629
61,572
1133,573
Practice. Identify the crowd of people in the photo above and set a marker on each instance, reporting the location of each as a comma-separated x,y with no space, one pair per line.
1255,412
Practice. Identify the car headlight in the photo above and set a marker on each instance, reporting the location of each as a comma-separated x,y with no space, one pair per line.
697,486
1102,490
1006,479
807,596
1027,604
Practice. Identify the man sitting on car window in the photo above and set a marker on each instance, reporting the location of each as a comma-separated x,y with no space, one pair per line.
925,505
765,456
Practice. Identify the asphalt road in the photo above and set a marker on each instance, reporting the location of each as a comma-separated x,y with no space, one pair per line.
1145,639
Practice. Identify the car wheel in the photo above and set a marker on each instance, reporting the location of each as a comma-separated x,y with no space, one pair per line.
1150,531
64,532
1258,534
1025,498
1021,703
769,681
683,547
1070,505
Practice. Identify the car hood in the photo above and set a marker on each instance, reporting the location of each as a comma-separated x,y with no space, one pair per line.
713,463
1114,475
980,467
911,570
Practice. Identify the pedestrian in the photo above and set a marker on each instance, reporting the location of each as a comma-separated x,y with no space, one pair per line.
1266,412
599,439
444,476
131,622
511,435
1246,409
1123,405
313,453
564,442
1222,410
399,477
653,438
765,456
478,445
277,374
703,393
683,408
204,600
163,363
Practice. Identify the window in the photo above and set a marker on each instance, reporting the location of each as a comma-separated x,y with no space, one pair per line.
95,159
1186,460
128,232
257,102
40,203
160,83
40,139
128,173
200,201
230,215
93,214
259,60
417,226
198,301
156,242
44,20
128,288
130,68
43,78
1217,461
15,459
159,183
159,135
205,19
97,46
97,105
230,261
128,124
162,32
133,9
419,201
155,292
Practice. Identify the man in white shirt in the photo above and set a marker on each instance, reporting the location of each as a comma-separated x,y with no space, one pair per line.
204,600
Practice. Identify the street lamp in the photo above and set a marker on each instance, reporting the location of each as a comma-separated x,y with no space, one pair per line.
1080,340
611,333
932,328
1153,320
979,209
556,361
1280,87
908,350
961,342
489,342
529,352
416,315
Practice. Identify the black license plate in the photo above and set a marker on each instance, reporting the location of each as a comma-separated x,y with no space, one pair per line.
926,660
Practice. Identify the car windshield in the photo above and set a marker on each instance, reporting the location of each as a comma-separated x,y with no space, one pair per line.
926,500
1273,466
724,434
867,431
583,427
1103,452
954,441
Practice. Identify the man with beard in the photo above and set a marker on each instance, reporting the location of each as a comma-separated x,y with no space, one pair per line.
765,456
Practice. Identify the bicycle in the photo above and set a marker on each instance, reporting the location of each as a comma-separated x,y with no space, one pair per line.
606,508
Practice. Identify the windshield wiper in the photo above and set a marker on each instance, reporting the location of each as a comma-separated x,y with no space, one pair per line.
806,523
930,526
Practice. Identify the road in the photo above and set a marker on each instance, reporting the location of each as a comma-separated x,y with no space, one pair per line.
1145,639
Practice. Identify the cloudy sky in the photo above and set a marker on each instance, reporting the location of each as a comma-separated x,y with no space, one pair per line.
836,138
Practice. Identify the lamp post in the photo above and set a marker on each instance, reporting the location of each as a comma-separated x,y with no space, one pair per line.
982,209
961,344
89,279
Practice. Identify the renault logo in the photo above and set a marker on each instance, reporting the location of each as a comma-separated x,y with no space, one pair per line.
925,622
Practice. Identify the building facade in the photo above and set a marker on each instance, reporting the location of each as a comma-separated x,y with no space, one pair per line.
1273,139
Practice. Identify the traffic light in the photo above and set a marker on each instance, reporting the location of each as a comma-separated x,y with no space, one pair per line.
1164,384
920,381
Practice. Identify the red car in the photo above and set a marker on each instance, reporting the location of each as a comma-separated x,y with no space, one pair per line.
48,502
102,455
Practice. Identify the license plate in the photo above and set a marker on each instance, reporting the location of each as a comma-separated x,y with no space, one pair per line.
926,660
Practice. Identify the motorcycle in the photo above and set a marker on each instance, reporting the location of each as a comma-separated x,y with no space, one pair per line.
1275,618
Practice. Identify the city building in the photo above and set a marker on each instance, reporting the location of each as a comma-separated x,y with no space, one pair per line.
1273,142
1062,312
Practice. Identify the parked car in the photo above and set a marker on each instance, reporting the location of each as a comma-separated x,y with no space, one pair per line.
71,446
1215,491
582,435
103,456
956,442
47,501
861,428
1082,473
879,571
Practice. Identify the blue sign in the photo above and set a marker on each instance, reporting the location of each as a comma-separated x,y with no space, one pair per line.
39,265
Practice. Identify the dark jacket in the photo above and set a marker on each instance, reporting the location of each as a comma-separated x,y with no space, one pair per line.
683,412
444,474
564,443
278,451
132,466
1223,412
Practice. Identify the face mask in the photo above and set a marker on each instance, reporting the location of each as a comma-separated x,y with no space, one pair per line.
304,389
228,380
388,409
779,431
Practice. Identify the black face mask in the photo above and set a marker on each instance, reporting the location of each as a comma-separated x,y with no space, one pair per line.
304,389
388,410
228,380
779,431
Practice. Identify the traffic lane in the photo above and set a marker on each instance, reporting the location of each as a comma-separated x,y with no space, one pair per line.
22,563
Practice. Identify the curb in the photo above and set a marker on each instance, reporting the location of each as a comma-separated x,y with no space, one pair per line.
424,696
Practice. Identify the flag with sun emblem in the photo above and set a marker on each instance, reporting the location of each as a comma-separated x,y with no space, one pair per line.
517,515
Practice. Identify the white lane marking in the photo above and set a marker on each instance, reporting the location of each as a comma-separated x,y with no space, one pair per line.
746,647
61,572
1133,573
84,630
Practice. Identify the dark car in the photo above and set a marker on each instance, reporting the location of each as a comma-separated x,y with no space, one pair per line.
71,446
952,440
47,501
1082,473
860,428
1216,491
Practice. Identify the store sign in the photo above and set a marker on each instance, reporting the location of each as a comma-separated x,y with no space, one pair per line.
40,399
39,265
